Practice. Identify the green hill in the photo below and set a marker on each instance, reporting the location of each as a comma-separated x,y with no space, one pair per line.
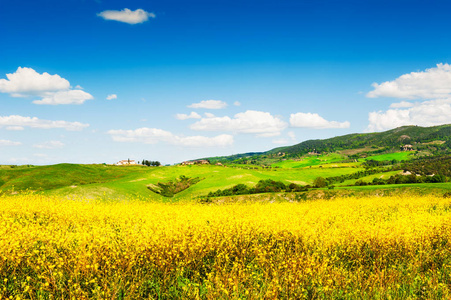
432,140
356,159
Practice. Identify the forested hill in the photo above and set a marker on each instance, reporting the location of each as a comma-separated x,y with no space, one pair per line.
391,139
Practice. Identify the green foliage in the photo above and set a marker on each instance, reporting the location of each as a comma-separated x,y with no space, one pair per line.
170,188
150,163
319,182
263,186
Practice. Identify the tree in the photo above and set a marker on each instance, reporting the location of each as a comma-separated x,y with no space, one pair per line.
319,182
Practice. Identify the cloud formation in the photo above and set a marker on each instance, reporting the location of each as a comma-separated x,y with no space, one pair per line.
192,115
209,104
127,16
402,104
154,135
427,113
27,82
251,121
33,122
111,97
49,145
315,121
65,97
53,89
9,143
429,84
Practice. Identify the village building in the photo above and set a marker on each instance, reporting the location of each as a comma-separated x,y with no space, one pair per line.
407,148
126,162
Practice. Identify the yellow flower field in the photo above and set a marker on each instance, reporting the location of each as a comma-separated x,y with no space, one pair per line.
350,248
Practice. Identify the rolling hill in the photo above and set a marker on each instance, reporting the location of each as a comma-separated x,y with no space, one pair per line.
346,162
436,138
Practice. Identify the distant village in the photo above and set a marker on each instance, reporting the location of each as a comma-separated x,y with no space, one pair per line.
130,162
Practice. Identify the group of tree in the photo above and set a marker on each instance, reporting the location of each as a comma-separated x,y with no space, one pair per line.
429,166
404,179
263,186
150,163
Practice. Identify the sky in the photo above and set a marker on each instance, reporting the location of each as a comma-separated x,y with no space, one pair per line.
98,81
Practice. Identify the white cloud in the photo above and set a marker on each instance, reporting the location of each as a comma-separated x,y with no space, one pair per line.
209,115
429,84
15,128
65,97
428,113
310,120
237,103
49,145
154,135
111,97
402,104
192,115
251,121
209,104
127,16
292,135
53,89
27,82
9,143
33,122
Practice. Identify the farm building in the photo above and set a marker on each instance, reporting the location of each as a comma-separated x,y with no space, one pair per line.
126,162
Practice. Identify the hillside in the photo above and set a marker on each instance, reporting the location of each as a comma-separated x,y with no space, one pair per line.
436,139
344,162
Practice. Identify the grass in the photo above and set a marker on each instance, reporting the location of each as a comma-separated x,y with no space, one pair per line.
95,181
311,160
391,156
369,178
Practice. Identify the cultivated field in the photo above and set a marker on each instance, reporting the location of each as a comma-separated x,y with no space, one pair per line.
352,248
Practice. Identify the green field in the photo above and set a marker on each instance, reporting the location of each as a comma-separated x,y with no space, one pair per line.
391,156
119,182
310,160
115,181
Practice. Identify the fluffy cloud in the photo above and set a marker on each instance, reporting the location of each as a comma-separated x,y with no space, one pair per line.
209,104
429,84
127,16
428,113
257,122
111,97
402,104
53,89
192,115
309,120
33,122
154,135
65,97
9,143
49,145
27,82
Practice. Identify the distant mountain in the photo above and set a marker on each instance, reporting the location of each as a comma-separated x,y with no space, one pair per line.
388,140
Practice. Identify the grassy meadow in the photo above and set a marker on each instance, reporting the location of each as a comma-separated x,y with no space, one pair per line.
93,181
347,248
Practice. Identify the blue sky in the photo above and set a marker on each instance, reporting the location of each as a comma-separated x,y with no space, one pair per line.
189,79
